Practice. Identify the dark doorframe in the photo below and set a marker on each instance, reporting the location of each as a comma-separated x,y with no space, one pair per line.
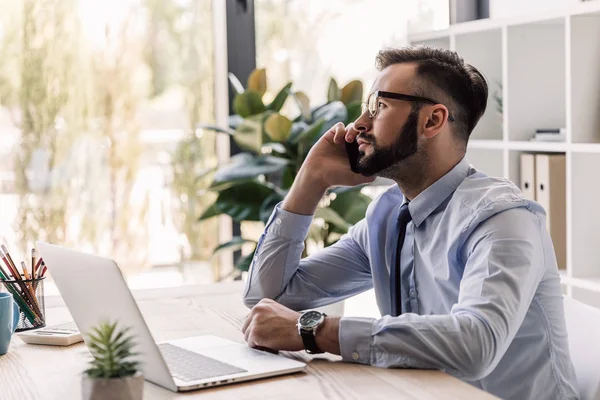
241,59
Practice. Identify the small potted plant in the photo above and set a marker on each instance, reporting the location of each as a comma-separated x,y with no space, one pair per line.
113,372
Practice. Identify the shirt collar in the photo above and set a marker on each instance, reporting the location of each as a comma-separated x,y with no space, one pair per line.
429,199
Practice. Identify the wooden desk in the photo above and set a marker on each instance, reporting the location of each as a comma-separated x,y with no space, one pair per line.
46,372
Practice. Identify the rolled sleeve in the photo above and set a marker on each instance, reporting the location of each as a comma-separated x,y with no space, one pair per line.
355,339
289,225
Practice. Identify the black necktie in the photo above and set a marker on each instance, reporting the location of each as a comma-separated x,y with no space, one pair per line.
403,220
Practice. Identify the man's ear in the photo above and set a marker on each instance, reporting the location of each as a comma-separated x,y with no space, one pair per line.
436,118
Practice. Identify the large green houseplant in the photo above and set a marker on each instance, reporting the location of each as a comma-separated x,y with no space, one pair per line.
274,148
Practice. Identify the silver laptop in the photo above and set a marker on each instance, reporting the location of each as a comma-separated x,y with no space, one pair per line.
94,290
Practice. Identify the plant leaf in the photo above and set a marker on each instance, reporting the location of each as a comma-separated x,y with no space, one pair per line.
304,104
233,245
217,129
354,112
288,177
210,212
333,237
243,202
95,335
351,206
248,168
332,217
219,180
309,135
235,83
248,103
297,129
257,81
243,264
280,98
274,146
331,114
248,135
335,111
233,121
278,127
344,189
352,92
333,92
108,332
266,208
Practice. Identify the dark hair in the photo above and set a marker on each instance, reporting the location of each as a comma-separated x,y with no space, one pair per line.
444,77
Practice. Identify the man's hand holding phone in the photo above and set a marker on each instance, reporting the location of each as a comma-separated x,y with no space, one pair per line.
328,164
331,158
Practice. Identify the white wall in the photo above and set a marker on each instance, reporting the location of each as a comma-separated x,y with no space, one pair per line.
510,8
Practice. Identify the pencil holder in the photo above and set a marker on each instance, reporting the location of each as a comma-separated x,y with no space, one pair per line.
29,295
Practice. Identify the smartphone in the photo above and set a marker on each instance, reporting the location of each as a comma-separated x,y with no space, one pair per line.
353,154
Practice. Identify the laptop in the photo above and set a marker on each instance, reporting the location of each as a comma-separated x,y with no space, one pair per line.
94,291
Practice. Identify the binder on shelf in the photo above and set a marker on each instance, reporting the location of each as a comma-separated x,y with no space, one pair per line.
528,175
551,194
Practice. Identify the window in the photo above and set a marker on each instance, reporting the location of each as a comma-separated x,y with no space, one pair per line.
309,41
98,148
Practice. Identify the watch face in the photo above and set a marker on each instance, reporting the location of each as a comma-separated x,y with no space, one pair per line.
310,319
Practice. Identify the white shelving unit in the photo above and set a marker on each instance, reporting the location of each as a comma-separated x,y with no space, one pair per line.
547,69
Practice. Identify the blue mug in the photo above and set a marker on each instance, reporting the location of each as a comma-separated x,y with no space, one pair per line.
9,318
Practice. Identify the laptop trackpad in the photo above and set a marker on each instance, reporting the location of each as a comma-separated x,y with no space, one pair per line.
237,354
190,366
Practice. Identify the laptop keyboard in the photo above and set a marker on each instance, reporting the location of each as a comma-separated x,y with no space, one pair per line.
190,366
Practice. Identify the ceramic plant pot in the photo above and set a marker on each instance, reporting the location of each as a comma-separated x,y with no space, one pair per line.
129,388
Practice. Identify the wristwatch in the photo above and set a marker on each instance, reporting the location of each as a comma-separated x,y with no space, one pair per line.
308,323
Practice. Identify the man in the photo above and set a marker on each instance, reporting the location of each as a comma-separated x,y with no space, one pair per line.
462,265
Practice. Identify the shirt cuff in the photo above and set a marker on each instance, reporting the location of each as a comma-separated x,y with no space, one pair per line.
355,339
288,225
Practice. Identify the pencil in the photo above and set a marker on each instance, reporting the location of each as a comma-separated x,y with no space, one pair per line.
7,259
33,269
25,272
28,277
38,266
8,264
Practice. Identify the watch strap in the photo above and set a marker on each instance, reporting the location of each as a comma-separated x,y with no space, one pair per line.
310,342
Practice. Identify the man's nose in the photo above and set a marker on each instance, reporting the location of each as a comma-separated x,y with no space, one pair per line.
363,123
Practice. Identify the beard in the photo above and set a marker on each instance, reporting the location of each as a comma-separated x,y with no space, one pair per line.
382,160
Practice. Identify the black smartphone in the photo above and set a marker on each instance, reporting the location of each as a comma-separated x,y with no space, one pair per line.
353,154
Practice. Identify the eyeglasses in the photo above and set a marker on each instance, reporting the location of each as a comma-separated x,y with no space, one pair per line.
372,103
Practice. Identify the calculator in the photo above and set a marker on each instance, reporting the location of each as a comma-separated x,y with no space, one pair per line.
54,335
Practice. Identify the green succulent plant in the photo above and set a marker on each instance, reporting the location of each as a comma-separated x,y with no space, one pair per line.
273,150
112,352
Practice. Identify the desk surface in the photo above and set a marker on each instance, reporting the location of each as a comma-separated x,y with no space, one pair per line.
47,372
